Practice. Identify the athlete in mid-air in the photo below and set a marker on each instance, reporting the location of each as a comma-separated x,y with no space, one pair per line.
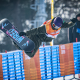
45,33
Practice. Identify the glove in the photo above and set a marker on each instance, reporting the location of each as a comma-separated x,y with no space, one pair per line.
74,20
22,33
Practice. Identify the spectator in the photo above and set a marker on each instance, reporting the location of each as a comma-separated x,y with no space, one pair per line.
74,32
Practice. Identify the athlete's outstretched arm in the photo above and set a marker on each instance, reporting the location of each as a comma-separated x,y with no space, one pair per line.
69,24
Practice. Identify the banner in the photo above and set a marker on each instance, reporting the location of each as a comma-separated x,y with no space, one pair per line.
32,67
1,70
66,59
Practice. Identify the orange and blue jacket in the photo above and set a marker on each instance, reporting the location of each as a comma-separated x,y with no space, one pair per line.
50,32
54,33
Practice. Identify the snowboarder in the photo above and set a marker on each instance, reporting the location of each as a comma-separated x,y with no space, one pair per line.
45,33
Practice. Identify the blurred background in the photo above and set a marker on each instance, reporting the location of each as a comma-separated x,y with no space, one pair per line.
29,14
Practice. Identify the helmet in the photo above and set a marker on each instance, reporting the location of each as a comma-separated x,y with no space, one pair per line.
58,21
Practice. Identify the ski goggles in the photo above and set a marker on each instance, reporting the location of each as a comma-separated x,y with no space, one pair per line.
56,27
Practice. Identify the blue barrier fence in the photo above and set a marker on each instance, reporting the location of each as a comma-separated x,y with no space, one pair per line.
50,63
13,69
76,52
12,64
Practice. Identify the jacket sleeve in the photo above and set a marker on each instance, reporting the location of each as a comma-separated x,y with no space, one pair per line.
36,31
67,25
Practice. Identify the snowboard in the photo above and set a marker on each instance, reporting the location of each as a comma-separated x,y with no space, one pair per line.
23,42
